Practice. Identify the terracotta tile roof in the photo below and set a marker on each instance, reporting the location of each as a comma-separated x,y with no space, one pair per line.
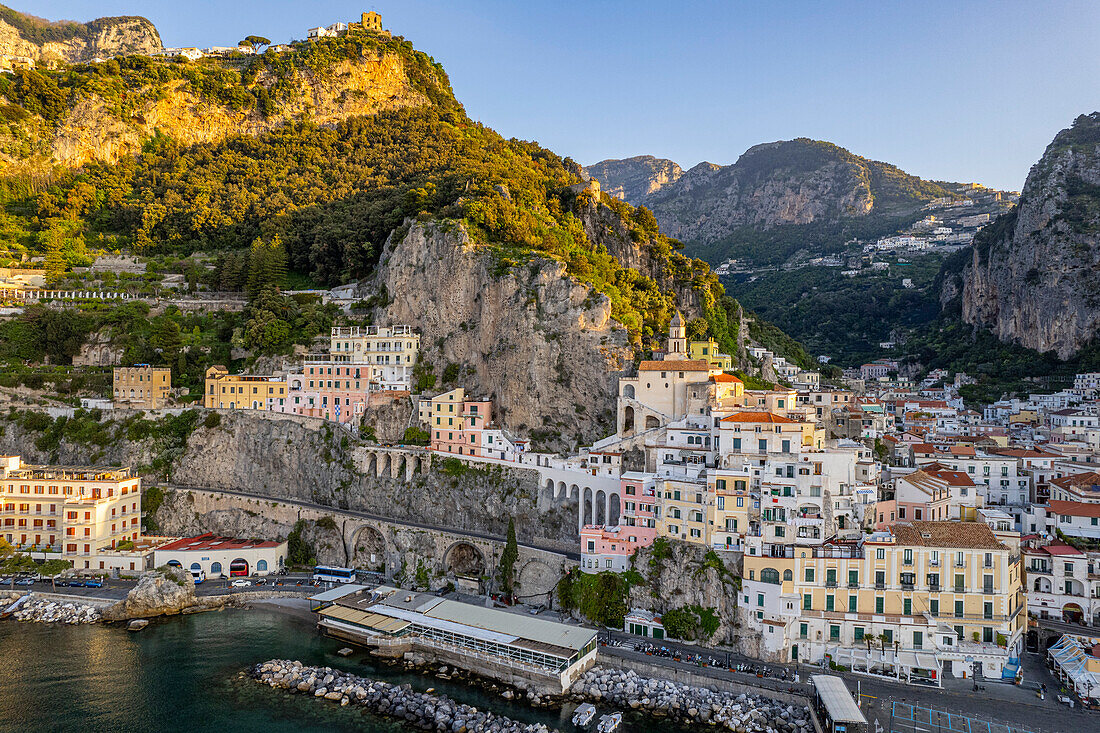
1021,453
725,378
963,535
1075,508
765,417
209,541
1058,548
1078,480
955,478
674,365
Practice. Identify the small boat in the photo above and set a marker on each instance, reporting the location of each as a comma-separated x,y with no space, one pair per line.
583,715
609,723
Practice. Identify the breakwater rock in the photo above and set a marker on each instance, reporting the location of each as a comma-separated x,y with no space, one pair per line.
741,713
45,611
424,711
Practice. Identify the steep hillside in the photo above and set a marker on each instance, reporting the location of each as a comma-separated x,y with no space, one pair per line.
814,190
107,111
44,42
632,179
1033,275
352,155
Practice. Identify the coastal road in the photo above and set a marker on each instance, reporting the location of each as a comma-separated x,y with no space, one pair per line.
373,517
1017,706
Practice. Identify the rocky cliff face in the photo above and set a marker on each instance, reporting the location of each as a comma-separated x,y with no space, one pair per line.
1034,274
680,575
540,344
792,182
46,43
166,592
93,129
632,179
299,458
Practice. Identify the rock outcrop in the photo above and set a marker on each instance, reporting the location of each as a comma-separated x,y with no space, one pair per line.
1033,276
166,591
632,179
44,42
681,575
540,344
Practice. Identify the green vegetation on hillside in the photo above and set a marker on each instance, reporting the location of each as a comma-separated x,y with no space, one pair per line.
39,31
845,317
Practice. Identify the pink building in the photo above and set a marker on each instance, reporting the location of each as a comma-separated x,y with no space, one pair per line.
610,547
460,425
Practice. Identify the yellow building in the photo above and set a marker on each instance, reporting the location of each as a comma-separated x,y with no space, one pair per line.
142,387
708,352
728,507
682,510
390,352
79,512
928,598
227,391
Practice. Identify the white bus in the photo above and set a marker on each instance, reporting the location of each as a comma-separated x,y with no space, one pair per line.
333,575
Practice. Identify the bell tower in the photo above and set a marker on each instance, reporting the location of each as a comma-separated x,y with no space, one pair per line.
677,338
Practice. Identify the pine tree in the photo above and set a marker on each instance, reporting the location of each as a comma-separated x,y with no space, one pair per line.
508,558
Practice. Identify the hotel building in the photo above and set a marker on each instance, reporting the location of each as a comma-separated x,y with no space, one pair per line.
142,387
77,511
927,599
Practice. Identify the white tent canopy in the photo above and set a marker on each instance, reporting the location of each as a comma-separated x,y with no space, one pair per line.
1071,656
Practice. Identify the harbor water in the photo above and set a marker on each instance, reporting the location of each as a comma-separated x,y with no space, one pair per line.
185,674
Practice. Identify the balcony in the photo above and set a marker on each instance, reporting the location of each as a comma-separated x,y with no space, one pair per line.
853,586
830,584
960,589
934,587
880,586
907,586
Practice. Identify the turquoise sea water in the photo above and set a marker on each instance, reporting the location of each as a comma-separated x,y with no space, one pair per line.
183,674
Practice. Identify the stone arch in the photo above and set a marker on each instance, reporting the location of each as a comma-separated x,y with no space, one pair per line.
1043,585
372,464
1073,613
417,465
586,506
368,548
651,422
562,492
628,420
574,493
600,510
536,577
614,510
384,465
548,490
628,391
401,467
463,558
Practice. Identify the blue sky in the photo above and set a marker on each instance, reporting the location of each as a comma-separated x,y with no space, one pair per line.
967,91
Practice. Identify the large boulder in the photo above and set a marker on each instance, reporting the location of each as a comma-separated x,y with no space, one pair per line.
166,591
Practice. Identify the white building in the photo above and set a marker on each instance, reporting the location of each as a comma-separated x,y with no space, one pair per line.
217,556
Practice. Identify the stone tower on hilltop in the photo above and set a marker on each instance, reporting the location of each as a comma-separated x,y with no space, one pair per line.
372,21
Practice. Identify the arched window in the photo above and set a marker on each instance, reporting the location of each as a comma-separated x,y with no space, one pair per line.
215,567
787,575
628,391
175,563
769,575
261,565
196,566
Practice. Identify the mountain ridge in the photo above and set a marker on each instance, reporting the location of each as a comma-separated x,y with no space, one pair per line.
42,41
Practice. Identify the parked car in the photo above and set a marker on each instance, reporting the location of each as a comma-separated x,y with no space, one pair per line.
25,581
261,581
5,581
63,582
76,583
241,583
94,583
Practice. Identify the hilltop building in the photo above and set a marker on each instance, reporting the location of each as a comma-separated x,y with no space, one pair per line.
227,391
142,387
